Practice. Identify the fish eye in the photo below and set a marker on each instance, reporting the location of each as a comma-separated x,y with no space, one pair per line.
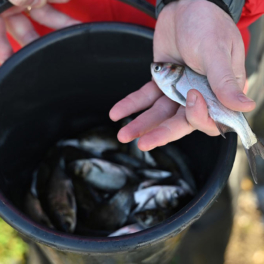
157,68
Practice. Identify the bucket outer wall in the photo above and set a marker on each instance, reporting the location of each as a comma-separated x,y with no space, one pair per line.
65,83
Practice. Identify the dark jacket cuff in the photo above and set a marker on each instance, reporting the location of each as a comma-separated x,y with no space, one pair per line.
235,8
232,7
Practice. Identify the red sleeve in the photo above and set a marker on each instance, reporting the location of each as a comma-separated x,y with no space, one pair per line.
252,10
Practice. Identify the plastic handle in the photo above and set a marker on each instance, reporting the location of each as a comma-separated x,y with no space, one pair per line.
4,5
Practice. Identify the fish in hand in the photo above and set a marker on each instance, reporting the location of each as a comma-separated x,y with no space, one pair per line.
176,80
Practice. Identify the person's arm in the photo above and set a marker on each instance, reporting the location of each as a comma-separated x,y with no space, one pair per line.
17,24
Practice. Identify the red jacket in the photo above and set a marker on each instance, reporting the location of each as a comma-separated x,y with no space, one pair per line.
114,10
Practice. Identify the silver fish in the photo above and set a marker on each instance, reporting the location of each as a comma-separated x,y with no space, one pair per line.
112,214
101,174
145,156
152,197
123,159
32,205
176,80
126,230
35,211
61,200
154,174
95,141
146,184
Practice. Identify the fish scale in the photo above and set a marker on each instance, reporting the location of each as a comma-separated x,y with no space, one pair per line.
176,80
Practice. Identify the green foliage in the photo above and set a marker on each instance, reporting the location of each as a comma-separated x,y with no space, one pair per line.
12,246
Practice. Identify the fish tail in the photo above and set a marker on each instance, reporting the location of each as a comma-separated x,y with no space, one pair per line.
255,150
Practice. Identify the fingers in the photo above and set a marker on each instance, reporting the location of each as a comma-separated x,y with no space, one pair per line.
197,114
32,3
165,122
5,48
163,109
136,101
186,120
50,17
21,29
224,83
170,130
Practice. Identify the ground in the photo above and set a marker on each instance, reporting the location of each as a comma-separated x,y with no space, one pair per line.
246,245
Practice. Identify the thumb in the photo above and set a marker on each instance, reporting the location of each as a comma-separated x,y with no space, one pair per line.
227,85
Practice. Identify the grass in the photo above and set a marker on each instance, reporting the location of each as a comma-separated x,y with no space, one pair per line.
12,246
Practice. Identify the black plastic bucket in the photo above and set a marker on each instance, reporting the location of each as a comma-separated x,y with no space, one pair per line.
59,86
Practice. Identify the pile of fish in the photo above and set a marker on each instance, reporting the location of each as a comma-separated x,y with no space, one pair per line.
95,186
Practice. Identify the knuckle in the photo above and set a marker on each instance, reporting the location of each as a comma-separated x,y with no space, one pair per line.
163,108
227,80
130,100
167,127
146,95
192,119
190,126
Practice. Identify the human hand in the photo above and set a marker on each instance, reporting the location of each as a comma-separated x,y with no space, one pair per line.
20,27
200,34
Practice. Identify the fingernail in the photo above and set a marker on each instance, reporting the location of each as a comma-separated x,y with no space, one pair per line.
244,99
191,99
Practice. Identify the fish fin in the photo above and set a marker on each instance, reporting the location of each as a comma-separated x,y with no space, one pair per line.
179,97
223,129
256,150
220,128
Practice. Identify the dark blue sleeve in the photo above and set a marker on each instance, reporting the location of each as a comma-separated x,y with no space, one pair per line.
232,7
